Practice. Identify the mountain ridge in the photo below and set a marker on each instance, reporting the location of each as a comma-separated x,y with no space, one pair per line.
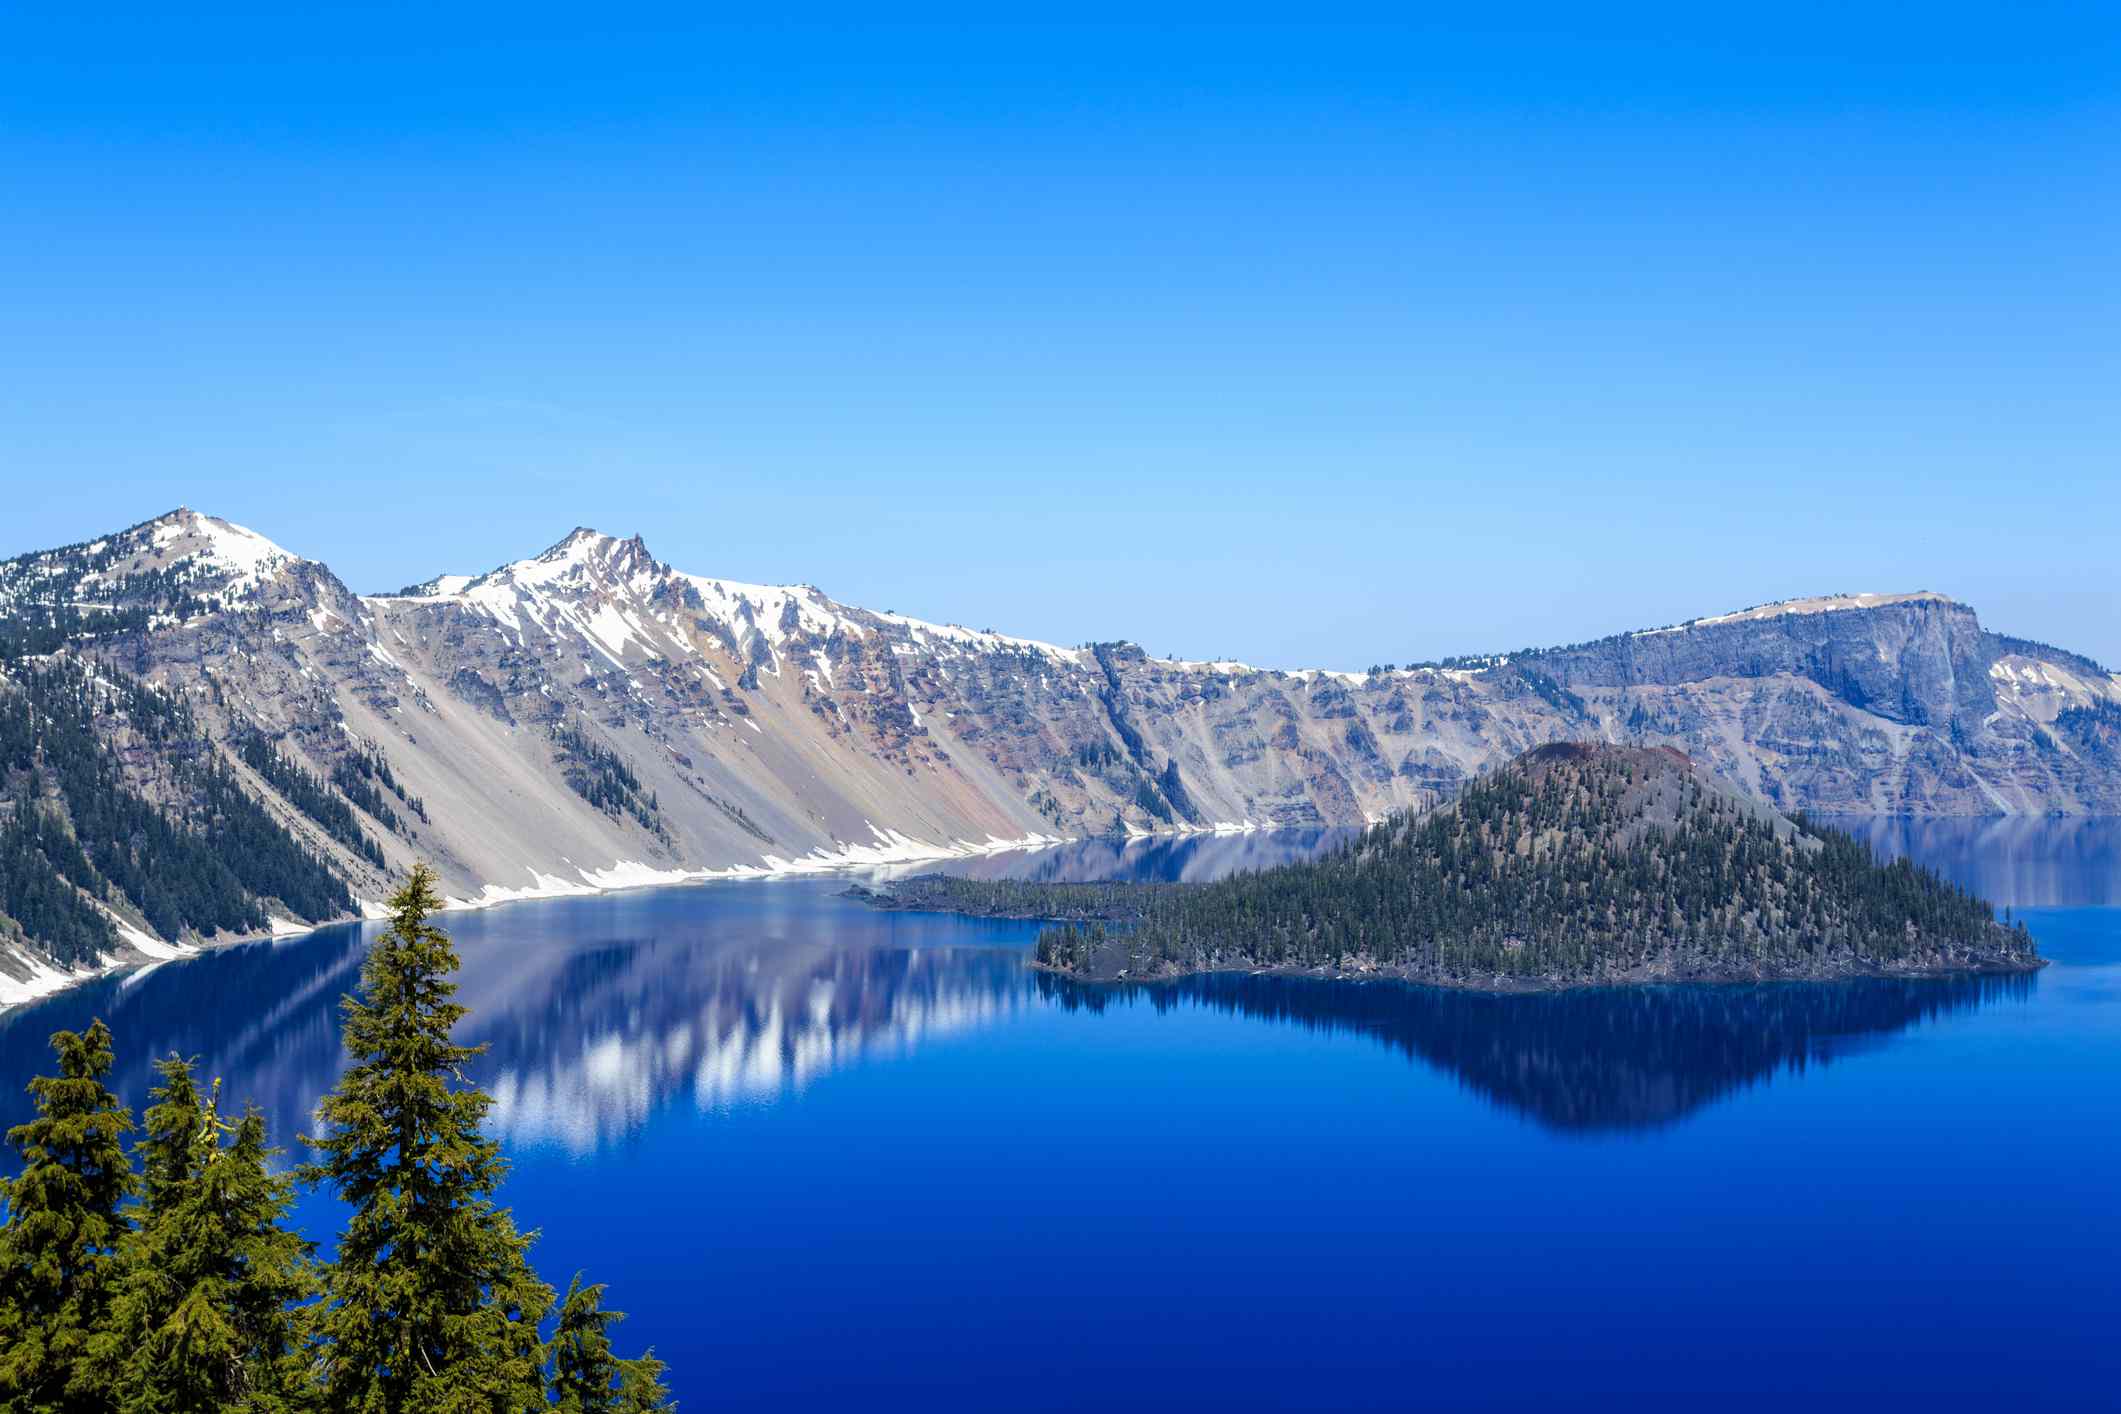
591,717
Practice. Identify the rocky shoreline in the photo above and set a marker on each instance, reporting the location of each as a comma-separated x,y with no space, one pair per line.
1502,985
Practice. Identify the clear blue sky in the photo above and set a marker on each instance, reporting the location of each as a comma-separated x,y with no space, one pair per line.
1307,344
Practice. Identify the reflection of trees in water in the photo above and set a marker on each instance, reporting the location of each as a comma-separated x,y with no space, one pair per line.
1587,1060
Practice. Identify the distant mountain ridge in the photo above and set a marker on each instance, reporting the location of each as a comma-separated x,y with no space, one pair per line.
590,717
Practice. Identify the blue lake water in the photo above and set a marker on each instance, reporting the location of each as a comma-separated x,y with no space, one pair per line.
830,1156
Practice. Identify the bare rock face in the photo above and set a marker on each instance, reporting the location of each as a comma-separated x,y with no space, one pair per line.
591,716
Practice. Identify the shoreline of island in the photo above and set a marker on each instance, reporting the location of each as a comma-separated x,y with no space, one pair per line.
1508,986
1577,865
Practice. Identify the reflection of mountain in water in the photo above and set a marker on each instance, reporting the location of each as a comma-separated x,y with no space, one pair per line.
600,1010
2016,860
587,1033
626,1029
1591,1060
2022,861
265,1017
1152,859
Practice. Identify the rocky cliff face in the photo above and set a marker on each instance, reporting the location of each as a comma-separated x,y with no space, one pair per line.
591,716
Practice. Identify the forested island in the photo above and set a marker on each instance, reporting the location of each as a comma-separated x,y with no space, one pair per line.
1575,864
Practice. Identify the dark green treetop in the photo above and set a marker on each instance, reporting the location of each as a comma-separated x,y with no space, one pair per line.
208,1312
586,1377
59,1246
169,1147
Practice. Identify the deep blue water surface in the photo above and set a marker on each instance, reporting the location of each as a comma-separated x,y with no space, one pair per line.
830,1157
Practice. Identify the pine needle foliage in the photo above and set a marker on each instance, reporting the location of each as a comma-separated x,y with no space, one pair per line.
199,1298
586,1377
209,1313
169,1149
59,1248
431,1304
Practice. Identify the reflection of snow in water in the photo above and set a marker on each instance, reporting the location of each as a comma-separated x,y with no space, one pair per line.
742,1036
599,1012
1195,857
633,1030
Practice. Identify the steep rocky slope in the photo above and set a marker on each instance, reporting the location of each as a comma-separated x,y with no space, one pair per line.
590,716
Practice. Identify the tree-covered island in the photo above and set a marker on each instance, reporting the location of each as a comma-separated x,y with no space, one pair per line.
1575,864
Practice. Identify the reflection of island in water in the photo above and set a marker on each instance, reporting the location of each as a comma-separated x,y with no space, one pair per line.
1592,1060
600,1012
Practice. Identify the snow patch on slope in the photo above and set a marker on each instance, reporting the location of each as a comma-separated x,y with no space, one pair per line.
929,635
145,943
442,586
245,558
2033,677
42,981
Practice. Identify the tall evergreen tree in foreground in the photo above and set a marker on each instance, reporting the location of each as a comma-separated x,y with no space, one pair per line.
207,1305
432,1304
207,1314
58,1250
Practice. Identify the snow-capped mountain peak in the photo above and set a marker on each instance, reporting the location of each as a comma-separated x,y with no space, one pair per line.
234,557
585,558
175,564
